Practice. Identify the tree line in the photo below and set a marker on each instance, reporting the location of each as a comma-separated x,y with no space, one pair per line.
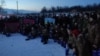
94,7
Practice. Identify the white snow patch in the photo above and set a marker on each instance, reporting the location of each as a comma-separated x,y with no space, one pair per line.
17,46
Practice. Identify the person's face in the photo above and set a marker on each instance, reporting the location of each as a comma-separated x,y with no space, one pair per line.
68,26
58,24
98,16
32,28
56,31
61,28
90,19
75,24
63,24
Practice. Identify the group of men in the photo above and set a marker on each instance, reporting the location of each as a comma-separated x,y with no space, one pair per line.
79,31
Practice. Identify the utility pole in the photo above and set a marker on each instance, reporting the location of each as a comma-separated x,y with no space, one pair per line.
2,2
17,7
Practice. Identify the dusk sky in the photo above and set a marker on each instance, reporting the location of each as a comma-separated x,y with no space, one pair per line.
36,5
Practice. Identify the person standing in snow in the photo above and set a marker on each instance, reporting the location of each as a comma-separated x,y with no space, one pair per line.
96,43
55,33
27,31
60,37
40,28
45,36
1,25
65,35
32,33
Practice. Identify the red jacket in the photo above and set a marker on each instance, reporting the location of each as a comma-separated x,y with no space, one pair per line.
75,32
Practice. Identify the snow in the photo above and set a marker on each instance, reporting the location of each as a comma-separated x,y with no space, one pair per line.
17,46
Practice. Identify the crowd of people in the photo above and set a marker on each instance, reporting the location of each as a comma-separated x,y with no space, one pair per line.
78,32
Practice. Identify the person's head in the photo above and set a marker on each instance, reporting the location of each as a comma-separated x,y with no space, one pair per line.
94,46
32,28
58,24
69,32
61,28
68,25
90,19
64,24
98,16
56,31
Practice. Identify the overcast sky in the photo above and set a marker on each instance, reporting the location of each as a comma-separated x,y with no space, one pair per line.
36,5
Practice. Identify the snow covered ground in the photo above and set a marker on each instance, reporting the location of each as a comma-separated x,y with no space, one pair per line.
17,46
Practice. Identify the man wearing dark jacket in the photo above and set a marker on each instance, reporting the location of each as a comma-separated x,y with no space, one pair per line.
45,36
